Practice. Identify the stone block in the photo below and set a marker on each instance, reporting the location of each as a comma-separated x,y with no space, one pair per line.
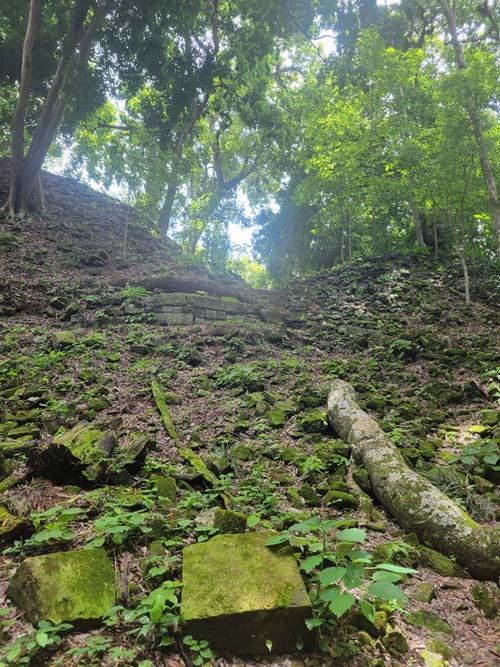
77,587
174,318
204,302
243,597
168,299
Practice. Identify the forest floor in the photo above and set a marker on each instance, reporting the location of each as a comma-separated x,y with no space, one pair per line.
249,398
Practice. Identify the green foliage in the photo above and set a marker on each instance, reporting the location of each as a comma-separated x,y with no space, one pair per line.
153,619
203,655
341,574
24,649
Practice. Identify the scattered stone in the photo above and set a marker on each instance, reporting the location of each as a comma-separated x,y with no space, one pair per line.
395,640
341,499
236,582
72,586
429,621
485,600
165,486
310,496
437,645
424,592
314,422
62,339
440,563
230,521
78,455
12,527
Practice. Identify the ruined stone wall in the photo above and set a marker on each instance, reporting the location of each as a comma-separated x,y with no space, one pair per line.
179,308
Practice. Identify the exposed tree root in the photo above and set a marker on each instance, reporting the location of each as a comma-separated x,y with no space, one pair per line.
415,503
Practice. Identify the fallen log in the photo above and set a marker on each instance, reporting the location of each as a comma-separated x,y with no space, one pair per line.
413,501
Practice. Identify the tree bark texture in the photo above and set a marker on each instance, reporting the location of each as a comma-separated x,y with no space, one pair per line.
414,502
450,12
74,57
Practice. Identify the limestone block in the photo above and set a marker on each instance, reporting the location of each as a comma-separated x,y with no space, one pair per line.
71,586
243,597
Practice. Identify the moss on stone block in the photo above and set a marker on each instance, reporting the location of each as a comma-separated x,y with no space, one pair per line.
440,563
424,592
78,455
72,586
165,486
12,527
238,594
429,621
230,521
313,422
486,600
341,499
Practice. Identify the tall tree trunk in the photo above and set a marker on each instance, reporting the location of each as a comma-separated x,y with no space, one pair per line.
17,142
74,57
417,223
450,11
168,204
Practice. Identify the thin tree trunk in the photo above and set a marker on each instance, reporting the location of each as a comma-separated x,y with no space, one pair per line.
465,270
350,236
17,142
417,223
450,12
168,204
436,241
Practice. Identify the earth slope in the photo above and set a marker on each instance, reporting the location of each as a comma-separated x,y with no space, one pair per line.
248,397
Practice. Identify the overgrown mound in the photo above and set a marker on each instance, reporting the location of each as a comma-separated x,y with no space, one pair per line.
122,435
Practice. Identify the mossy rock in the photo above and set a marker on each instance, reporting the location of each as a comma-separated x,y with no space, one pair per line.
490,417
12,527
424,592
72,586
375,628
309,495
277,417
62,339
230,521
313,422
240,452
238,594
437,645
341,499
165,485
78,455
429,621
395,640
440,563
486,600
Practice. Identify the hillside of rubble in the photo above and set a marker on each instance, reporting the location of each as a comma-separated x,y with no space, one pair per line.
149,405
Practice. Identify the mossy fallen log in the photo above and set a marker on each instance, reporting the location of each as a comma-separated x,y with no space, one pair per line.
414,502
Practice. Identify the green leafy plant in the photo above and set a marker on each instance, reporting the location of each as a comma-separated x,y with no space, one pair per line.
27,646
480,455
203,654
341,574
153,619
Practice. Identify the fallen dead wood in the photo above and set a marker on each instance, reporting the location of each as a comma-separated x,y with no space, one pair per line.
415,503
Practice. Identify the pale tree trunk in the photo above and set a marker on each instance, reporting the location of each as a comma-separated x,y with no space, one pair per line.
168,205
17,142
417,223
450,11
74,57
417,505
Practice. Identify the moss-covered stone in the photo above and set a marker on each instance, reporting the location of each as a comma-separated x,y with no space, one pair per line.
12,527
375,628
165,485
78,455
437,645
424,592
313,422
62,339
277,417
341,499
440,563
72,586
490,417
310,496
238,594
395,640
429,621
485,600
230,521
